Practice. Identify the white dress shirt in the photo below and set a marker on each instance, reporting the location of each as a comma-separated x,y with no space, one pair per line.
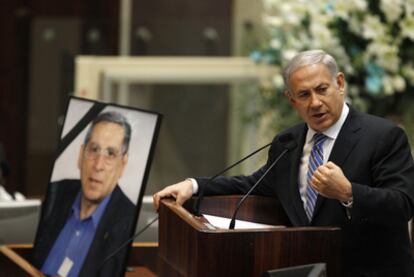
332,133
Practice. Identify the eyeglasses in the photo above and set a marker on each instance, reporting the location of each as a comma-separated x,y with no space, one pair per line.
110,155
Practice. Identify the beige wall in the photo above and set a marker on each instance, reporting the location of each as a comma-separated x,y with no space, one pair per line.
245,11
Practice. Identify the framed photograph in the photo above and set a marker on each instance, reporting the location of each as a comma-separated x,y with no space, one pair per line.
96,189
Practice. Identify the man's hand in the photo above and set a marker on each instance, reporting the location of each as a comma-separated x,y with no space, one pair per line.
180,191
329,181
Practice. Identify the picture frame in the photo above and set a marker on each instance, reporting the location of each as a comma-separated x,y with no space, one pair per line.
72,154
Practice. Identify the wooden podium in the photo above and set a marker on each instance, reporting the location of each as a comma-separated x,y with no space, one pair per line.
189,246
14,260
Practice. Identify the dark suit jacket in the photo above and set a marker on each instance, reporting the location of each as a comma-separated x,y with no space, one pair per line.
375,156
115,227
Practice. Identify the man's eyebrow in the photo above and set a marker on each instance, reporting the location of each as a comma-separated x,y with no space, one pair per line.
305,90
322,84
108,147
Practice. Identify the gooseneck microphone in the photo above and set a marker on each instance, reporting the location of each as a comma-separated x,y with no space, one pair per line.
290,145
197,203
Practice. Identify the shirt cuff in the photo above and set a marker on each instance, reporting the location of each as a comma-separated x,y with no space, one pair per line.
195,185
349,203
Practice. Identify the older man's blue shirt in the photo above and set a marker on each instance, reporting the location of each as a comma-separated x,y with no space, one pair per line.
75,239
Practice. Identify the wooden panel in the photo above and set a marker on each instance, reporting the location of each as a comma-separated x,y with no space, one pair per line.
177,27
143,260
144,255
14,265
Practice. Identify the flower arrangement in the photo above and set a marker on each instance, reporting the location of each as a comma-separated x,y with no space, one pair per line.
372,41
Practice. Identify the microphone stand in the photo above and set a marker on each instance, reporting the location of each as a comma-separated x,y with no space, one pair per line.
196,206
289,146
116,251
233,219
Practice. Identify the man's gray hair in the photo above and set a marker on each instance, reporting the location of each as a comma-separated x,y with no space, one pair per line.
309,57
112,117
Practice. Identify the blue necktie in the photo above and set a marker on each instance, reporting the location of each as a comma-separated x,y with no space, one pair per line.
315,160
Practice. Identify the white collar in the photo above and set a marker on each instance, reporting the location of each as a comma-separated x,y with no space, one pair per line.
333,131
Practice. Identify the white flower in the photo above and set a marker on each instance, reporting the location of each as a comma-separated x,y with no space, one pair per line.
320,34
297,25
355,25
387,85
408,72
409,7
360,5
300,41
399,83
407,27
286,12
385,55
372,27
275,43
392,84
343,8
272,21
355,5
392,9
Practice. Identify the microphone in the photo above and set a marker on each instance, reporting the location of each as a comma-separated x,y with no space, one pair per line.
196,207
290,145
116,251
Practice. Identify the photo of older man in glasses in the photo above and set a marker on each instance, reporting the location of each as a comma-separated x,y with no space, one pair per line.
85,220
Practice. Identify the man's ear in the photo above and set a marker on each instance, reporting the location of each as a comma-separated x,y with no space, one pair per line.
340,82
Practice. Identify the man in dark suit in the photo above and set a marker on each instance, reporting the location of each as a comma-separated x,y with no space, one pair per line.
350,169
84,221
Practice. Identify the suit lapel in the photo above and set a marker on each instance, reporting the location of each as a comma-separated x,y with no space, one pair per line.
347,139
344,144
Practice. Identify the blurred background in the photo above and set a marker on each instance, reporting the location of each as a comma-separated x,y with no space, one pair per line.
41,38
40,42
207,124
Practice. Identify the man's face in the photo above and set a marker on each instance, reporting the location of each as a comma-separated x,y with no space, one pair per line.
101,162
316,95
